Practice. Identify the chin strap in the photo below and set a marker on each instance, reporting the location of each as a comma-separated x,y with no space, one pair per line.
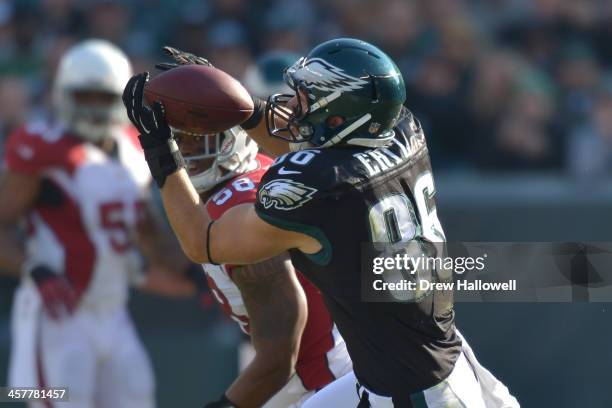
294,147
347,130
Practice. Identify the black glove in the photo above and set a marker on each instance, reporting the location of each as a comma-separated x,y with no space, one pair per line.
223,402
181,58
160,149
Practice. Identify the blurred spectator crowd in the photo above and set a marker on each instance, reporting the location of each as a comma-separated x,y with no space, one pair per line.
499,85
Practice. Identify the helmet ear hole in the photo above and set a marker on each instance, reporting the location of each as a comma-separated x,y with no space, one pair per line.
333,122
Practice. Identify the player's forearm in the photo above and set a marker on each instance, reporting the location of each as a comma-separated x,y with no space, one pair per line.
186,214
12,255
263,378
158,245
277,309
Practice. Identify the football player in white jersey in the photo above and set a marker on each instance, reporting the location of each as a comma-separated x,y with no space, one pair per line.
80,181
298,349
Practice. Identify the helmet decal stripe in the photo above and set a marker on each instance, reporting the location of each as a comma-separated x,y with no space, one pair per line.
320,74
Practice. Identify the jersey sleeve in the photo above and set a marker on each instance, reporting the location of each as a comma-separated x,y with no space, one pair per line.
28,152
23,153
238,190
292,197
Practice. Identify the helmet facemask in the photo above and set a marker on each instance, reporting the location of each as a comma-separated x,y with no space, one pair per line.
92,114
285,122
87,89
214,158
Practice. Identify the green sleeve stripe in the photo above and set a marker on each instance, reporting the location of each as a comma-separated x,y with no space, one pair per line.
323,257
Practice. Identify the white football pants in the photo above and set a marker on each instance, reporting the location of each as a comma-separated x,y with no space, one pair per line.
97,356
469,385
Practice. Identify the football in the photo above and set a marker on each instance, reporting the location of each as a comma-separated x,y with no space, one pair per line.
200,99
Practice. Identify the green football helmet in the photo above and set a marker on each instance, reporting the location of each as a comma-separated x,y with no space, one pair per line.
345,78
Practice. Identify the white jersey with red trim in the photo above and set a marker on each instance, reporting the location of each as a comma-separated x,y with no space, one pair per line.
82,224
323,356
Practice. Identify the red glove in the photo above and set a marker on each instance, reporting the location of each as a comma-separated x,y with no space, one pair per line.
59,298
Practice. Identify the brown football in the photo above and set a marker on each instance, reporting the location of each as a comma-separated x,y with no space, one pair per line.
200,99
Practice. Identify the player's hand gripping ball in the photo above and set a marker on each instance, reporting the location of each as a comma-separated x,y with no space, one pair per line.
161,152
150,122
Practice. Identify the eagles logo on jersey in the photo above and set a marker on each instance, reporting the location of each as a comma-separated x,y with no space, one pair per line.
285,194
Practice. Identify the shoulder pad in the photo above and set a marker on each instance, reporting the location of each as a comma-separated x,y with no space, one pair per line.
327,170
36,148
294,179
409,124
302,166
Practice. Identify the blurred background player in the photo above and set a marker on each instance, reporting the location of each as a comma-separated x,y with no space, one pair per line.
80,182
341,392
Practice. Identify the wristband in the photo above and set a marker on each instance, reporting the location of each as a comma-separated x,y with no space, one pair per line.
258,113
210,261
163,160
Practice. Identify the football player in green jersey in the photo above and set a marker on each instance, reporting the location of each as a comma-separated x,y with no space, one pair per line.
353,168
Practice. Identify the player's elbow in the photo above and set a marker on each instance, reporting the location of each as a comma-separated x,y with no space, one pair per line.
195,255
280,361
194,248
